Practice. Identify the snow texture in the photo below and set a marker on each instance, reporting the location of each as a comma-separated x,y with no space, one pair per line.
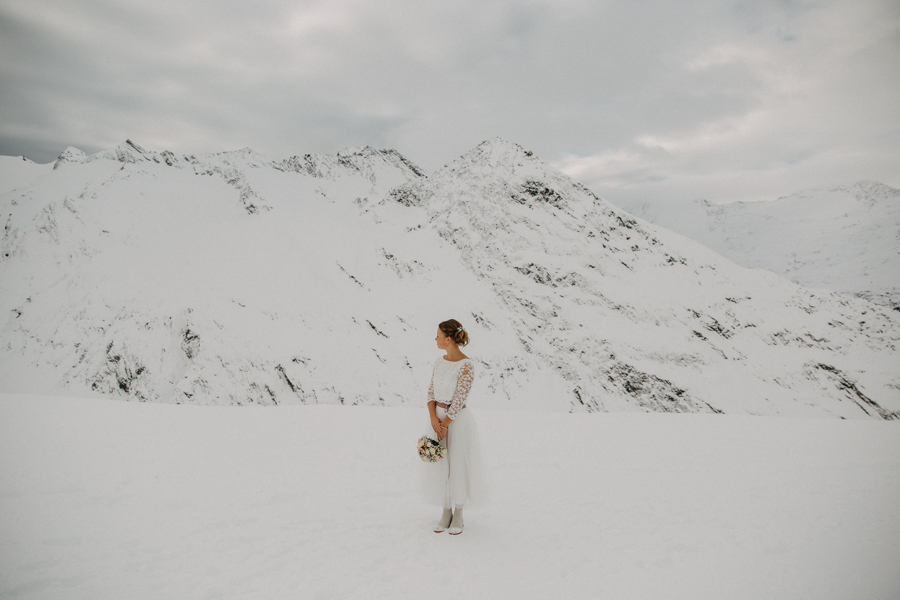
104,499
231,279
846,238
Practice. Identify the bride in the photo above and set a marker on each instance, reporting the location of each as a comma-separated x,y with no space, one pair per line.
458,479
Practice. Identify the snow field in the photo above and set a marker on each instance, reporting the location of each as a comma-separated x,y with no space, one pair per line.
107,499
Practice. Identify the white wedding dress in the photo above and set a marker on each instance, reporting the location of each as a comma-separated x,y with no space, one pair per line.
458,479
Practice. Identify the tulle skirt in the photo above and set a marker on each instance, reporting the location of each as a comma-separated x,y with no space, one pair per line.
459,477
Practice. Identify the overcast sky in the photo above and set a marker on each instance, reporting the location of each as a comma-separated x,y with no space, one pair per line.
716,99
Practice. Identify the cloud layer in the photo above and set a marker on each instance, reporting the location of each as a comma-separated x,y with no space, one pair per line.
723,100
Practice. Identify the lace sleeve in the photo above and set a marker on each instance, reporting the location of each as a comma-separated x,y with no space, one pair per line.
463,387
431,389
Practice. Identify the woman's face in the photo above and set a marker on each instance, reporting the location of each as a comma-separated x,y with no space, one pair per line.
443,341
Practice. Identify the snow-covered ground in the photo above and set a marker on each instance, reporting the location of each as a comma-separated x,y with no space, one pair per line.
845,238
103,499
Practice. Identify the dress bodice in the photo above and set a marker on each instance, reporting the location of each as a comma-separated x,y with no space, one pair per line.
451,382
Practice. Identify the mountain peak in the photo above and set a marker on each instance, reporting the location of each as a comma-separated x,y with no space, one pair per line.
499,142
498,156
497,151
870,192
130,145
126,152
70,154
359,151
388,166
246,156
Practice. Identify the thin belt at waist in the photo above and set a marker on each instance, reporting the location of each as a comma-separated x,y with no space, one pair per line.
446,406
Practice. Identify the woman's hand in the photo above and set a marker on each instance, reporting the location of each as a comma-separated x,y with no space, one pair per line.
436,425
442,431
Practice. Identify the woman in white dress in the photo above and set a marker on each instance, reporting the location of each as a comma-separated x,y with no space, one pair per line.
458,479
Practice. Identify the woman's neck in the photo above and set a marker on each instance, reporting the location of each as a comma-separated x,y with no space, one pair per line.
454,354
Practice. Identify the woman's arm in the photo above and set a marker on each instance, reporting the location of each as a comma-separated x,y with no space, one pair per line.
463,387
435,422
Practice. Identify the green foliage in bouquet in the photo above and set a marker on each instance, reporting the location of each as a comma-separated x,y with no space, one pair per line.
430,450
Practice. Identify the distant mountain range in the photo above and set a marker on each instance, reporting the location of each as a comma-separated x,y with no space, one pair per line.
844,238
230,278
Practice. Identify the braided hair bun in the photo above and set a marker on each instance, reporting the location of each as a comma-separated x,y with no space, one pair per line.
455,331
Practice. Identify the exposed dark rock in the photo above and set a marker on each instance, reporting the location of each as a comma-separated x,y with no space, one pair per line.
856,395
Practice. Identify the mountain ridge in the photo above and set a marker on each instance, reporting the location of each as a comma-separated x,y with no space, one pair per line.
844,238
257,285
619,244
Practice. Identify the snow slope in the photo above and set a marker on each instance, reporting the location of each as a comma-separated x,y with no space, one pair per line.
630,314
104,500
845,238
18,171
232,279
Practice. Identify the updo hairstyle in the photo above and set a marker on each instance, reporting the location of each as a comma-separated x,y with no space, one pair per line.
454,330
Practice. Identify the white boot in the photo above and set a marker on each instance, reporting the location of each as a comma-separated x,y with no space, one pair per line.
444,522
456,525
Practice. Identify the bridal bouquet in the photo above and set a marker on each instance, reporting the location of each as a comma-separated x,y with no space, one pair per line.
430,450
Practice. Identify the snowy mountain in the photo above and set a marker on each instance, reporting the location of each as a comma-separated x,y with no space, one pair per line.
232,279
845,238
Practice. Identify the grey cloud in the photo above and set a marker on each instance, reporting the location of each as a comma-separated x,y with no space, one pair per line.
564,78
